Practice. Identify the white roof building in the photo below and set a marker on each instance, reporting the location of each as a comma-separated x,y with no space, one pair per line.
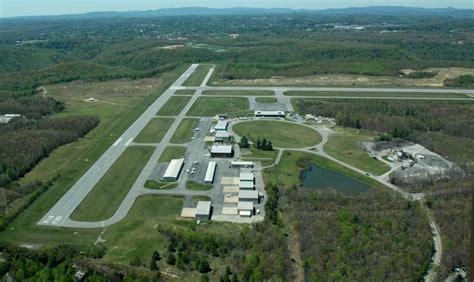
211,171
221,149
245,206
221,125
269,113
246,185
249,195
222,134
203,210
241,164
174,169
246,176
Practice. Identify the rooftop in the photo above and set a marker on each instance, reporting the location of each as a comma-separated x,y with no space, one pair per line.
211,169
269,113
221,149
221,125
246,176
248,194
245,206
222,134
203,208
174,168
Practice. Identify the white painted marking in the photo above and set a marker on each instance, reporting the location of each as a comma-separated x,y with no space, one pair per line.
57,219
117,142
128,142
48,220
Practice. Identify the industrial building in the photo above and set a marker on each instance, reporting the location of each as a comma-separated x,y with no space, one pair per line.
246,185
222,136
173,170
211,171
245,209
249,196
221,125
235,163
246,176
269,113
223,151
203,210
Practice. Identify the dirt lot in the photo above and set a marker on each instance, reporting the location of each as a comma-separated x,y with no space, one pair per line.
356,80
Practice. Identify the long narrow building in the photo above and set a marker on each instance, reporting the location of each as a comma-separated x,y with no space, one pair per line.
210,173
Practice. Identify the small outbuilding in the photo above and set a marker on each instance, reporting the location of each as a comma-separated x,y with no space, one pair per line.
203,210
173,170
221,151
249,196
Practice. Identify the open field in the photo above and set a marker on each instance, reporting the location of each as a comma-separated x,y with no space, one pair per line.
374,94
191,185
185,131
113,187
266,100
172,152
354,80
124,104
256,155
239,92
281,134
184,92
345,147
198,76
174,106
287,173
154,130
209,106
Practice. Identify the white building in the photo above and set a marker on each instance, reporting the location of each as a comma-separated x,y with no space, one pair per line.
210,173
269,113
221,150
173,170
241,164
246,185
249,196
222,136
221,125
203,210
245,209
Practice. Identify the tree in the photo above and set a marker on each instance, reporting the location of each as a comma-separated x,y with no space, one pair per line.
156,256
203,265
153,266
171,259
244,142
234,277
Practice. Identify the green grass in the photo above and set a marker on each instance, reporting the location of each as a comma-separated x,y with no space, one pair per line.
185,131
152,184
172,152
72,160
196,199
185,92
210,106
281,134
191,185
196,78
287,173
266,100
174,106
254,154
374,94
154,130
107,195
239,92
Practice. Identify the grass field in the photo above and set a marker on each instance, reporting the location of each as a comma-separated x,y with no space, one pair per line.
256,155
174,106
184,92
345,147
172,152
152,184
281,134
374,94
154,130
104,199
185,131
196,78
126,100
266,100
287,173
210,106
191,185
239,92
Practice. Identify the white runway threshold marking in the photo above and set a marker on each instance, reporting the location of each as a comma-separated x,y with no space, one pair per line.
117,142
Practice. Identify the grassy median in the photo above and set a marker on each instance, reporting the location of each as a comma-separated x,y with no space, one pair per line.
154,130
185,131
211,106
196,78
172,152
107,195
174,106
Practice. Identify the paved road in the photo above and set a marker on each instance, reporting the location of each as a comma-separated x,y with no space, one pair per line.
59,214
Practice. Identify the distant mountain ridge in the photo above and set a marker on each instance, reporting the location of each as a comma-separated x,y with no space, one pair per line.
203,11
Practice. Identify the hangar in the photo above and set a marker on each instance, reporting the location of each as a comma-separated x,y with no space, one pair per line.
269,113
211,171
249,196
221,151
203,210
173,170
221,125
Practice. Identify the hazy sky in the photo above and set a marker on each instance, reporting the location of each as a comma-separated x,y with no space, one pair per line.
10,8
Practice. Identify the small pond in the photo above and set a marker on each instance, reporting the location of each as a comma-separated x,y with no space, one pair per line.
320,178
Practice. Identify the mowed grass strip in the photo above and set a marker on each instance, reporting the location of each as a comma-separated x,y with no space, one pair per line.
347,148
266,100
104,199
172,152
375,94
211,106
196,78
239,92
185,131
184,92
174,106
154,130
192,185
281,134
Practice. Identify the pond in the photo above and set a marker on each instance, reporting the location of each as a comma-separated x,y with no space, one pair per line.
320,179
